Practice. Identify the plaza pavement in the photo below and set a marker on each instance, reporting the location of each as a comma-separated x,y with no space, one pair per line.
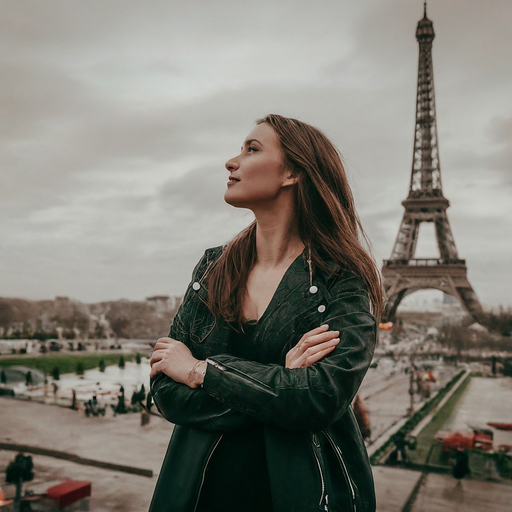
123,440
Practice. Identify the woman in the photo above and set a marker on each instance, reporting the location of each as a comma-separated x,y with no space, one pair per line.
274,336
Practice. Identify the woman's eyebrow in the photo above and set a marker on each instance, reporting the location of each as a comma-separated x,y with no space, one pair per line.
252,140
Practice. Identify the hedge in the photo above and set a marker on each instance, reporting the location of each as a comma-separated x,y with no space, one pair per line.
415,419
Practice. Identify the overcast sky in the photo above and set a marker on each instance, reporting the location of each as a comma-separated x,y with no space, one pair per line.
117,118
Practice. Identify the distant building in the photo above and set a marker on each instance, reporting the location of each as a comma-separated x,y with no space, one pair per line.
160,303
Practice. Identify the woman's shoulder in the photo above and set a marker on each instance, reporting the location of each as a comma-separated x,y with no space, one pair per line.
339,275
213,253
210,256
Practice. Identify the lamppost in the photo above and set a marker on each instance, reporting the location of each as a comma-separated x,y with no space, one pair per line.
19,471
412,376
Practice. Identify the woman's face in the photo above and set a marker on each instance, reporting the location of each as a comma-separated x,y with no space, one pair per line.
258,174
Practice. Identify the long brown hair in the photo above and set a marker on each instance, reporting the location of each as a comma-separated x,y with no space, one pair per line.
328,222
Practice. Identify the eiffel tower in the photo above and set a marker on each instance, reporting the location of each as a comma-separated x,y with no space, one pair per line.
403,274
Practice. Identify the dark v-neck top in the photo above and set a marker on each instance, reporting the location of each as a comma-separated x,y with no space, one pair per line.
236,477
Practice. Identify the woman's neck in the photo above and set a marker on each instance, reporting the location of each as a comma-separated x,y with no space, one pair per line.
277,237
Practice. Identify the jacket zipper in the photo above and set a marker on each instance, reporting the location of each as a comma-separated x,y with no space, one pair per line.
214,363
313,437
204,471
344,468
260,384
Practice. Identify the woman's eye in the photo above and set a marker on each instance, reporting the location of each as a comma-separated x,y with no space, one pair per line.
251,148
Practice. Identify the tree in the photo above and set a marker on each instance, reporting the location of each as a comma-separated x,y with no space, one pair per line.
455,336
79,368
500,322
118,325
71,315
118,319
69,334
137,358
138,396
7,315
121,362
19,471
3,377
101,365
99,332
507,368
56,373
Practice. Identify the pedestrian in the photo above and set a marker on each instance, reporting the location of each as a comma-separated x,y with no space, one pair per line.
461,464
145,418
274,336
363,421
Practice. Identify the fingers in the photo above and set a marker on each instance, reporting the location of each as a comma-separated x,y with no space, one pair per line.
318,338
161,346
318,355
155,368
164,343
317,330
156,356
312,350
311,355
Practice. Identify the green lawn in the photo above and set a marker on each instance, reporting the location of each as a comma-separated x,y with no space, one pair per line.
426,436
66,363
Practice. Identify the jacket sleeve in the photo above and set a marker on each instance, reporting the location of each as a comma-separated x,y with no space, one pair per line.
304,398
189,407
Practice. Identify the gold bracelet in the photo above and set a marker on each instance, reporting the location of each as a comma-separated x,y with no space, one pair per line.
193,371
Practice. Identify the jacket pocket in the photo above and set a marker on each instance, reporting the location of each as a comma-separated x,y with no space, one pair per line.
201,327
199,319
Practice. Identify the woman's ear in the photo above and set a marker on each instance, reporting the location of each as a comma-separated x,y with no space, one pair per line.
291,179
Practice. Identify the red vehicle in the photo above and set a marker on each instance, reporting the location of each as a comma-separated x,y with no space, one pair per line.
478,439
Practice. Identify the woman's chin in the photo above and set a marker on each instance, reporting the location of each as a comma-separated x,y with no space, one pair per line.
232,200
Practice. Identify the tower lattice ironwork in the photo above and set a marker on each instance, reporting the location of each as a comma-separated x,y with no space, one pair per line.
404,274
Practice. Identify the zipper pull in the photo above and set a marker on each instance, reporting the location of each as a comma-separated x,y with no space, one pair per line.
217,365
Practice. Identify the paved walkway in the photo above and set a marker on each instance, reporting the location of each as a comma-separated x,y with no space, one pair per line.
442,493
393,487
118,439
122,440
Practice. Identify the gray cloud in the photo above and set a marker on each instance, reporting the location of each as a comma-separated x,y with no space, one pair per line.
116,121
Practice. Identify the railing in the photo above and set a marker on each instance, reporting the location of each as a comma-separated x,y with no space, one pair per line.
424,262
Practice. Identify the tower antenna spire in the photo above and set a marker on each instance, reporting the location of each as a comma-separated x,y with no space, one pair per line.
425,8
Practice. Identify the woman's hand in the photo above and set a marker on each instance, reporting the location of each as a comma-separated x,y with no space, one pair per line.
175,360
312,347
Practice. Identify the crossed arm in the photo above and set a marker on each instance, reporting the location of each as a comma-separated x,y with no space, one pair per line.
315,387
176,379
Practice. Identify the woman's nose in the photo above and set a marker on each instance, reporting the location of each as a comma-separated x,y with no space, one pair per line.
232,164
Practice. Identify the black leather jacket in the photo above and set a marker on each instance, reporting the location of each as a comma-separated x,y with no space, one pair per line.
317,460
